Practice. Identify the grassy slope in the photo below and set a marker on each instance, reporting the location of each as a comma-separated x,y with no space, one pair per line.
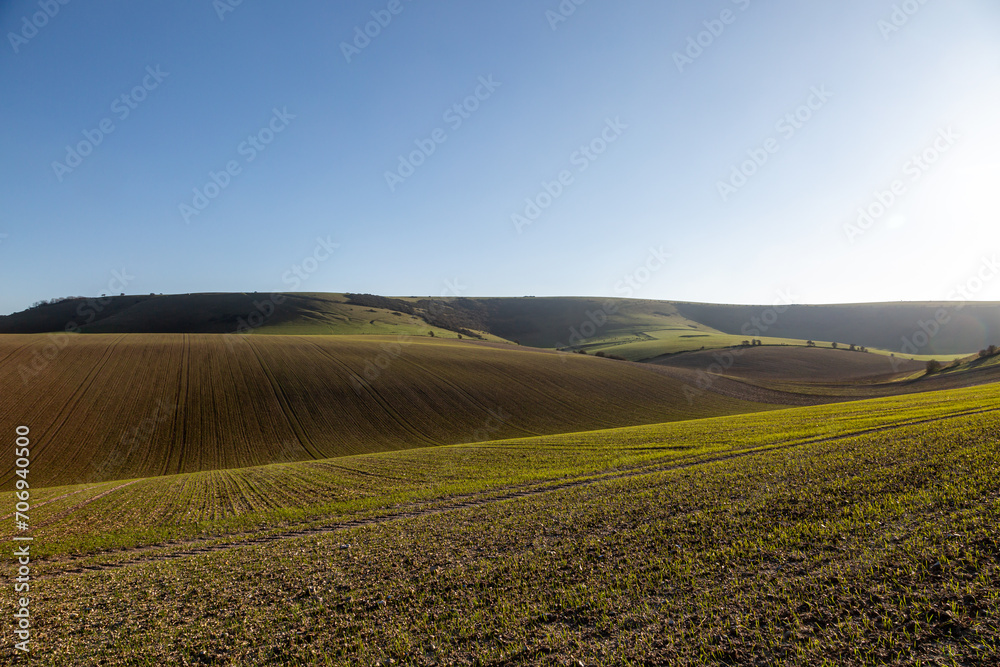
300,313
113,407
970,326
862,533
634,328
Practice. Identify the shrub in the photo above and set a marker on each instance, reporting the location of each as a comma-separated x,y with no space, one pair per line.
933,366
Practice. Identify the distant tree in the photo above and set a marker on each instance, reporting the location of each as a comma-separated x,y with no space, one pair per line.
460,336
852,348
431,334
983,353
933,366
809,343
833,345
600,353
745,343
991,350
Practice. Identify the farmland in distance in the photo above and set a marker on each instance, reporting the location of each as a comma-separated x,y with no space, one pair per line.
129,405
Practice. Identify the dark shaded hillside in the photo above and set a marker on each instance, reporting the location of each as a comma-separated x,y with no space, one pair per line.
174,313
909,328
906,328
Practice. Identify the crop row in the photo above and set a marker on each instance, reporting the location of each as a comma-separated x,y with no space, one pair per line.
104,407
871,543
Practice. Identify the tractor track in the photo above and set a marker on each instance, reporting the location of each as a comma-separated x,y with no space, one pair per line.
69,510
455,503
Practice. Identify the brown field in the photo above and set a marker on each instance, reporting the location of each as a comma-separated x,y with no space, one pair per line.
808,376
123,406
794,364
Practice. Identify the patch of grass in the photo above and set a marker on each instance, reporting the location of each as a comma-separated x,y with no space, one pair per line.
855,534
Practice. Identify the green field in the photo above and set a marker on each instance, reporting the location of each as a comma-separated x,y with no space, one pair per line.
858,533
361,480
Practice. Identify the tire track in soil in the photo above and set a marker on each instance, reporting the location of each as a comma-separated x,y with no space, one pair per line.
59,422
384,403
52,500
181,416
16,350
69,510
473,500
286,406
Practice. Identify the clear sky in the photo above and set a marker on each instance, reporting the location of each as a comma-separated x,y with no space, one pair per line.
739,137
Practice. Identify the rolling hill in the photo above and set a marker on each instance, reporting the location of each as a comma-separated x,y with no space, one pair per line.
636,329
926,328
114,406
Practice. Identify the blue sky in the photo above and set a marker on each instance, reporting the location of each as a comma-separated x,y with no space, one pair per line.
643,125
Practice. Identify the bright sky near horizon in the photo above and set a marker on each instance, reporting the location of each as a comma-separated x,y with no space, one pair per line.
815,152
